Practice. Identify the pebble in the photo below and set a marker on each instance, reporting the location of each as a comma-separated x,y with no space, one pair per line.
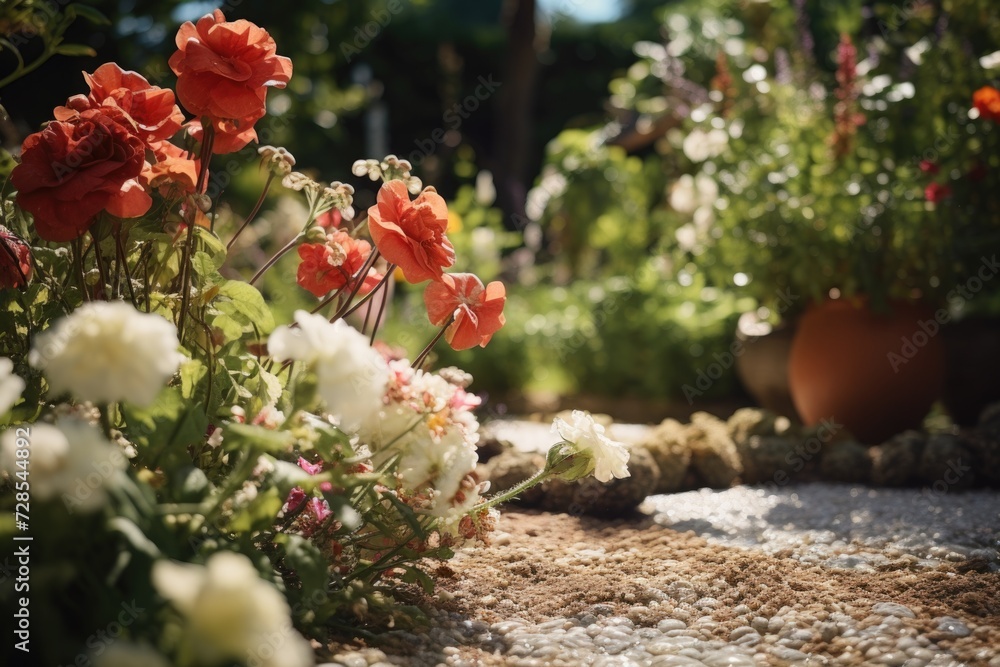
892,609
952,626
688,624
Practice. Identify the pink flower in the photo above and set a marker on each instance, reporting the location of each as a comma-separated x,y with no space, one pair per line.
295,499
929,167
311,468
319,508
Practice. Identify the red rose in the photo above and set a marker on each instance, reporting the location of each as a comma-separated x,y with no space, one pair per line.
15,260
477,310
155,115
411,234
224,69
73,170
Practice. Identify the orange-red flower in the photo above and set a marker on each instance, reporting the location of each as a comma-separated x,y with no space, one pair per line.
152,109
175,172
411,234
224,68
478,310
15,260
987,101
73,170
230,136
329,266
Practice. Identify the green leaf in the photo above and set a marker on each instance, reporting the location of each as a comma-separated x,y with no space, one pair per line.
408,515
168,426
75,50
247,438
135,536
204,265
306,559
192,372
415,575
259,513
239,298
89,13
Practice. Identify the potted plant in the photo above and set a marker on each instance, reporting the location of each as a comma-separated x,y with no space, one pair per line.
852,202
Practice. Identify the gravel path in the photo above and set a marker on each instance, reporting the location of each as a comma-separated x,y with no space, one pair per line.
811,574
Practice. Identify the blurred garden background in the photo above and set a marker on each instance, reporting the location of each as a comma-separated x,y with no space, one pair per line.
663,186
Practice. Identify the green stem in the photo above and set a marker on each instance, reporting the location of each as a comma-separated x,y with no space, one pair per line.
348,309
510,493
208,140
281,253
419,361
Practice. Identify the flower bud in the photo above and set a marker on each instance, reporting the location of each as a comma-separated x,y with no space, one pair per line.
315,235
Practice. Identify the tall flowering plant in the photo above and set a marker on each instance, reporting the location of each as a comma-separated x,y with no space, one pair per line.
229,483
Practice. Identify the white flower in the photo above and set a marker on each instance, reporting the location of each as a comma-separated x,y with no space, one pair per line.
230,613
106,352
123,653
72,460
351,376
586,437
11,385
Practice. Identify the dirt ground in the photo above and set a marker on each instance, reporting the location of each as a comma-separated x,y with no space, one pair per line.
550,566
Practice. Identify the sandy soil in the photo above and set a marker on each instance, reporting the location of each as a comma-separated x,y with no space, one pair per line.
550,566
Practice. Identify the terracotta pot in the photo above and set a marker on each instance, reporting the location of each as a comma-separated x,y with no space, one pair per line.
876,374
973,378
763,369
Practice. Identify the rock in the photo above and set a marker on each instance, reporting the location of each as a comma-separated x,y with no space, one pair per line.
747,422
510,468
713,452
945,459
764,455
616,498
489,445
846,461
667,443
897,462
984,443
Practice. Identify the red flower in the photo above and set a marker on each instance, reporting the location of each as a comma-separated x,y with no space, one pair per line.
478,310
935,192
15,260
929,167
73,170
156,117
987,101
175,172
230,136
329,266
224,69
412,234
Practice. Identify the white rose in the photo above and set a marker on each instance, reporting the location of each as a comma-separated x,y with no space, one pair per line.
351,376
72,460
11,385
106,352
230,613
586,437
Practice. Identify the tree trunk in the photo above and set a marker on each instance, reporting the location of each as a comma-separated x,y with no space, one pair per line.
513,123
